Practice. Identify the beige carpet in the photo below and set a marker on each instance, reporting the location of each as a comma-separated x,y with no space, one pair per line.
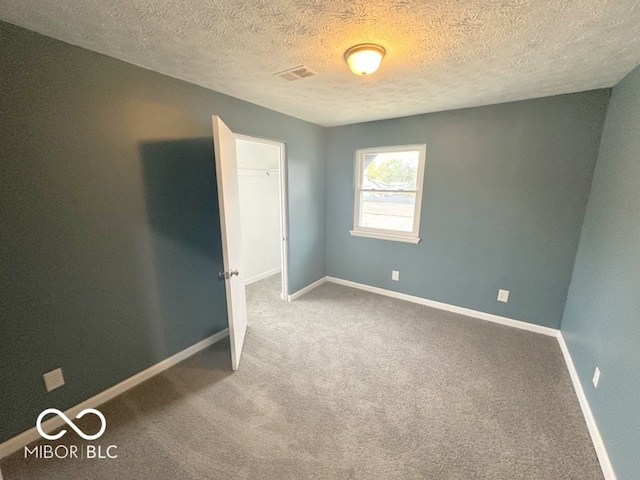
343,384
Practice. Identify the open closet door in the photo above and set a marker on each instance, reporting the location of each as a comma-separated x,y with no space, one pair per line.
224,146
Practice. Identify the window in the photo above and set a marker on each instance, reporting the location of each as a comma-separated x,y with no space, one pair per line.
388,192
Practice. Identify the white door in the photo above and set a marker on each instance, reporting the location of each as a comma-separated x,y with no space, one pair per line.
224,146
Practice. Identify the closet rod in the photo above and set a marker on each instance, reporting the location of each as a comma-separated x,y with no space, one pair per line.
258,171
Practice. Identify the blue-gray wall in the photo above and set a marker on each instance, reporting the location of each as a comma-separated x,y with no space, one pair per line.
110,239
504,197
601,323
109,230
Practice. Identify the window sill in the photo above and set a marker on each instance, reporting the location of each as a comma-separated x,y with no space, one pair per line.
384,236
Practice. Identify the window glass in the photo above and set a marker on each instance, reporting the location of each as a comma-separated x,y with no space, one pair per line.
388,192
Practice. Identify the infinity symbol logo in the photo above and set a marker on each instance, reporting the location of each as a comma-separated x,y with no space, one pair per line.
71,424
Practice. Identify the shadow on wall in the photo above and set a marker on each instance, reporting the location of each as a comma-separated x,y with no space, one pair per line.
183,292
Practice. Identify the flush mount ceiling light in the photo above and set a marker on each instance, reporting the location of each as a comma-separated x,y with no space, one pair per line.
365,58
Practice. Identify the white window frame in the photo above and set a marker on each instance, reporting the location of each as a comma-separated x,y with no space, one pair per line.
379,233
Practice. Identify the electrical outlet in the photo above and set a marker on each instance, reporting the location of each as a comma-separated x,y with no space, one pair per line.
53,379
596,377
395,275
503,296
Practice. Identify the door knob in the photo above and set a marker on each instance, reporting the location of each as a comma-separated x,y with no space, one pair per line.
222,274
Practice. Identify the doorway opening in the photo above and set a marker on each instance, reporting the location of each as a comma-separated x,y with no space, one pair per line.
263,209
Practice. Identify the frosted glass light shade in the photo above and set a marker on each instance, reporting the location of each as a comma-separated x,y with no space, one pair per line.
364,59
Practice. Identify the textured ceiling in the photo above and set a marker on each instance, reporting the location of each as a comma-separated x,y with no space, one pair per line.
441,54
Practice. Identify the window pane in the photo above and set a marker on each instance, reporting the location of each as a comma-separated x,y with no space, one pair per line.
390,171
388,211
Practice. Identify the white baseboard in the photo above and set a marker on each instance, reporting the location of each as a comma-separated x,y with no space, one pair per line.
306,289
16,443
594,431
596,438
25,438
552,332
262,276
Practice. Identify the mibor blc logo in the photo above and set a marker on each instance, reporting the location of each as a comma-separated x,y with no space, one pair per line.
46,412
71,451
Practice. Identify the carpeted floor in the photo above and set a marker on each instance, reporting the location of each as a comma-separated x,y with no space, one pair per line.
344,384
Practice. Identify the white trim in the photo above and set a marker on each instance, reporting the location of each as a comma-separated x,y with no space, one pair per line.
284,221
306,289
596,438
261,276
383,236
594,431
284,209
268,141
510,322
25,438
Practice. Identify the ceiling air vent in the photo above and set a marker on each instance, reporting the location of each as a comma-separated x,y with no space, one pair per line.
296,73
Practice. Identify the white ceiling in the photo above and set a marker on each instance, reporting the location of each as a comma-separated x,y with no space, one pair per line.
441,54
